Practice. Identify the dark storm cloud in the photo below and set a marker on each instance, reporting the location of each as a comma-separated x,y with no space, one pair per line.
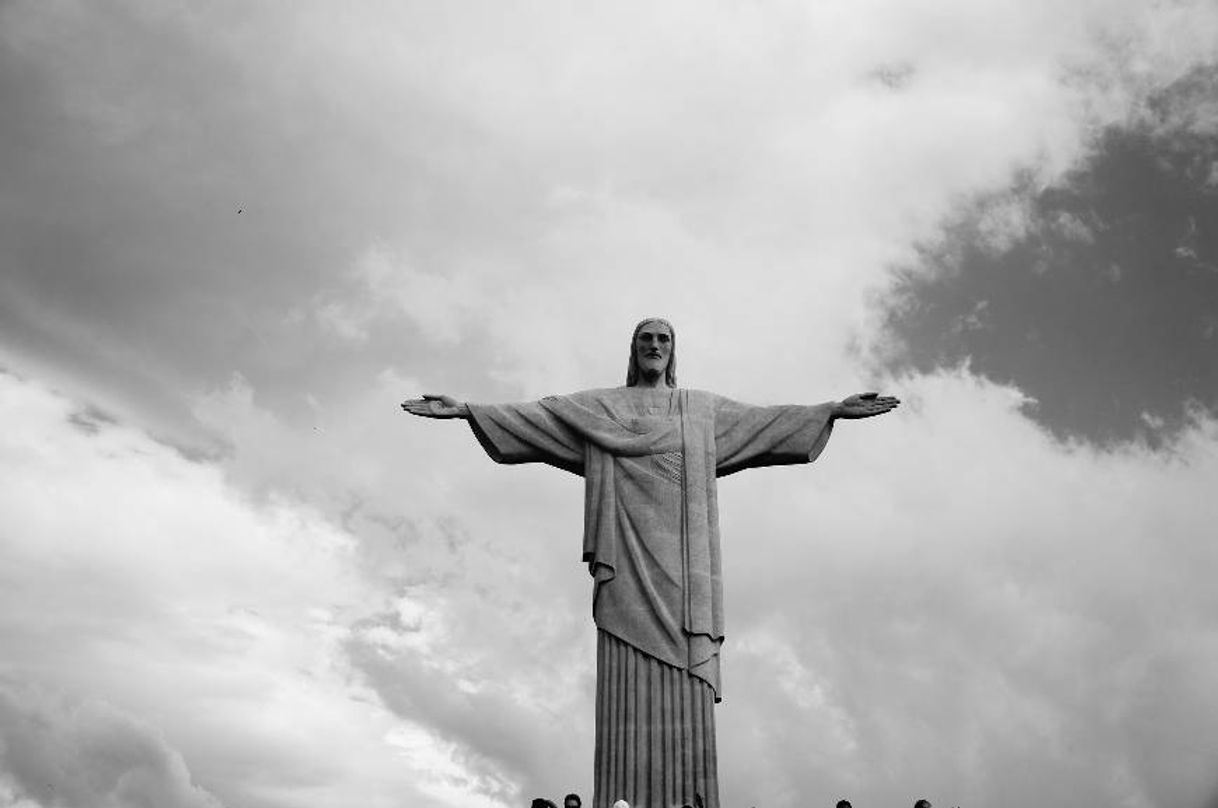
1097,295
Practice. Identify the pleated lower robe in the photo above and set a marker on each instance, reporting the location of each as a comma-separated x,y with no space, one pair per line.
655,731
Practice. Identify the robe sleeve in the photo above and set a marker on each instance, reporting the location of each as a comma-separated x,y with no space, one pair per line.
526,433
748,436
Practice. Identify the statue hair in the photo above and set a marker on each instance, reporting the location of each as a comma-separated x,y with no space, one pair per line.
670,372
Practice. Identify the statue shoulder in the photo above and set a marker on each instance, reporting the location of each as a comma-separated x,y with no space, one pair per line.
586,397
702,399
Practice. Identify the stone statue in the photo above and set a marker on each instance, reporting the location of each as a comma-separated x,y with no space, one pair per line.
649,453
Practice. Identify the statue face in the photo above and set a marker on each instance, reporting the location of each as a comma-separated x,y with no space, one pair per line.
653,348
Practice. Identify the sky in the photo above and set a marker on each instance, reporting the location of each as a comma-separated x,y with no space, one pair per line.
233,237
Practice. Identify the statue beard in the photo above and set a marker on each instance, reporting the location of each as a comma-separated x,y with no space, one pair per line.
650,374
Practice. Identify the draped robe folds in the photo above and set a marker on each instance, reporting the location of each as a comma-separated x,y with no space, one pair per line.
650,459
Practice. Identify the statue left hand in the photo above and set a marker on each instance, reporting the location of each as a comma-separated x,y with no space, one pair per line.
865,405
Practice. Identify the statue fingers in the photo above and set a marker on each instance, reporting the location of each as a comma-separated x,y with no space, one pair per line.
418,407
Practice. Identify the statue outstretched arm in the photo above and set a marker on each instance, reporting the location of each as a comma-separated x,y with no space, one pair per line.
510,433
748,436
864,405
436,406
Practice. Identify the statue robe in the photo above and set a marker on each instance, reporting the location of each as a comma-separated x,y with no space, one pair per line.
650,459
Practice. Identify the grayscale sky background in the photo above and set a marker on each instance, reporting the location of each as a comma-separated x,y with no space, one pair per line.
233,236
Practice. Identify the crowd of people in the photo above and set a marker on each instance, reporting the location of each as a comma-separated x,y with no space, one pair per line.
569,801
573,801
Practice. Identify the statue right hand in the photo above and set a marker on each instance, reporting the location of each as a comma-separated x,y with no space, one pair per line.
433,406
865,405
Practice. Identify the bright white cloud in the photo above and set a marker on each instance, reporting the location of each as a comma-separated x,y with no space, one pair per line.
143,587
483,637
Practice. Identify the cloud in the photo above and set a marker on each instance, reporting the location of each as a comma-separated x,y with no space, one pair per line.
950,598
321,602
586,178
1092,291
440,306
481,642
141,585
56,753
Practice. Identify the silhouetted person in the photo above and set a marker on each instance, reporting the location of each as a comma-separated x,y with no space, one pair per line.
922,804
541,802
844,804
572,801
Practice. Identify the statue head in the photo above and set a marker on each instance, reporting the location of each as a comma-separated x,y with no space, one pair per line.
653,350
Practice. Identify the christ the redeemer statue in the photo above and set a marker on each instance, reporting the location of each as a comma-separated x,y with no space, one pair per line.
649,453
